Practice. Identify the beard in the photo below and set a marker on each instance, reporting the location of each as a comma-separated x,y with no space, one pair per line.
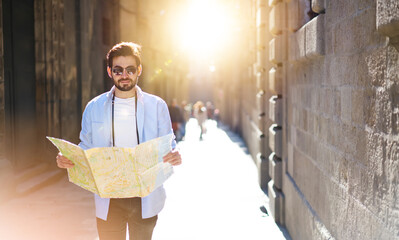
125,86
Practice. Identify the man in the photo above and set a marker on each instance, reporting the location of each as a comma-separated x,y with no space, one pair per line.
124,117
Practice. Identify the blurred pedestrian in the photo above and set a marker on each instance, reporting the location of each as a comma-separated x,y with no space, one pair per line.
201,115
210,110
176,116
186,112
216,116
136,117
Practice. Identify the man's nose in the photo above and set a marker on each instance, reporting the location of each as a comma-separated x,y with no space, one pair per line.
124,73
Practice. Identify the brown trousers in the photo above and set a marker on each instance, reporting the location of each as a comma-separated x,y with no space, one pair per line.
125,212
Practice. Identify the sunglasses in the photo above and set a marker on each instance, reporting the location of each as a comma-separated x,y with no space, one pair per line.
131,70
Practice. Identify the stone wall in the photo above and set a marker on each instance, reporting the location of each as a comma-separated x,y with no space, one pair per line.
50,71
327,108
69,53
341,177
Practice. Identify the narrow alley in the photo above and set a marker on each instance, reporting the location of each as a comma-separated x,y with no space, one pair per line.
214,194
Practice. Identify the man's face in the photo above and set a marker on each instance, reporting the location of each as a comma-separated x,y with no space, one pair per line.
124,72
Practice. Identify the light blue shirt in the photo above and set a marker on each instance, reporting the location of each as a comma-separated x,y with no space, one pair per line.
153,120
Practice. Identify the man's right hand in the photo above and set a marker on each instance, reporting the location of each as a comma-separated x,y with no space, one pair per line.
63,162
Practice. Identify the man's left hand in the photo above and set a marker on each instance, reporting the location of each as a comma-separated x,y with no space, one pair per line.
173,157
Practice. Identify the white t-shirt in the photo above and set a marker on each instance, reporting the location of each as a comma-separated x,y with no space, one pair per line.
125,122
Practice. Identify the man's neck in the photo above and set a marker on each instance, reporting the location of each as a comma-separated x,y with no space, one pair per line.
125,94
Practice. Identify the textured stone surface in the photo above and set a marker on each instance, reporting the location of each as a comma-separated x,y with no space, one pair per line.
293,48
261,37
275,80
264,145
293,22
277,49
273,2
314,37
262,60
388,17
261,102
261,79
262,163
277,19
276,203
275,139
276,171
297,46
343,128
276,110
318,6
261,16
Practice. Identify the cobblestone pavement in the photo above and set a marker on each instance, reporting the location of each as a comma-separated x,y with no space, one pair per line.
214,194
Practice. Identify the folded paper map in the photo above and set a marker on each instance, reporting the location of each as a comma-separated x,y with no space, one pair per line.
115,172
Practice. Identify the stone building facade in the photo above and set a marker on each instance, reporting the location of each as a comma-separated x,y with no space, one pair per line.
319,112
52,63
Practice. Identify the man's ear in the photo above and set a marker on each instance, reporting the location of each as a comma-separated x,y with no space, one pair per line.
109,72
139,68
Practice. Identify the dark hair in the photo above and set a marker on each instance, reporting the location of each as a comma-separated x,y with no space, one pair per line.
124,49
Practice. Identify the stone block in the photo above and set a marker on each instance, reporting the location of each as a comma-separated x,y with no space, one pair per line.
253,70
314,37
257,118
275,80
277,50
262,60
293,21
297,46
303,10
261,16
253,139
318,6
290,164
277,19
263,170
261,109
388,17
357,100
273,2
261,81
275,139
346,104
276,170
264,145
276,203
261,3
272,51
293,48
261,38
276,110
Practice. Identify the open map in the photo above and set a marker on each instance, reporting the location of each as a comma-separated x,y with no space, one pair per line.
114,172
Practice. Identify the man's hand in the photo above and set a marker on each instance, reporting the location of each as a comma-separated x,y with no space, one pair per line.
63,162
173,157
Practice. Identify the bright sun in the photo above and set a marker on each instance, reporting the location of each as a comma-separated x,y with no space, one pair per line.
205,27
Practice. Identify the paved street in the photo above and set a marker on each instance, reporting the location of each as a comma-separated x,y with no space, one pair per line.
213,195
